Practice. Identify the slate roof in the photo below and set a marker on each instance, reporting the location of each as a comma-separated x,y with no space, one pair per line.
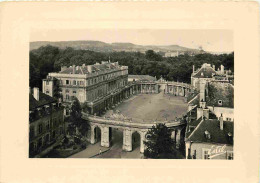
43,100
84,70
142,77
220,91
217,135
205,72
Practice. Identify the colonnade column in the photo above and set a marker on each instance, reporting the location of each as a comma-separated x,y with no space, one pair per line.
127,140
92,135
142,139
178,138
173,135
105,136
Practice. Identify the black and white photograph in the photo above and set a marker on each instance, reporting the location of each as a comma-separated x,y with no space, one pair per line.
153,94
142,91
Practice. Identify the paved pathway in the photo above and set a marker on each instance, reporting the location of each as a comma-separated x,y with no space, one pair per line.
90,151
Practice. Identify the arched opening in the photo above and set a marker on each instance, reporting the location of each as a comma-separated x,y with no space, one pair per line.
116,137
182,142
110,135
135,141
97,134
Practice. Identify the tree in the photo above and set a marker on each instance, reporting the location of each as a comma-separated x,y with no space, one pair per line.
75,114
57,92
75,117
159,144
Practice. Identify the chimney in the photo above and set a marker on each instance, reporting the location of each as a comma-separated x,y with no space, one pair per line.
221,123
199,112
214,67
89,67
36,93
77,67
193,69
206,113
83,65
202,104
202,90
73,69
222,69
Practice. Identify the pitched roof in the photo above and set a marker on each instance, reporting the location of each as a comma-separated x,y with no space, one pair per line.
206,71
84,70
220,91
43,100
217,135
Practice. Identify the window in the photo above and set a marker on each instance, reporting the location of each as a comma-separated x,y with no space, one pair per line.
67,82
67,91
205,154
74,92
77,82
47,91
81,82
48,125
229,155
40,128
47,82
67,112
32,134
74,82
88,82
67,97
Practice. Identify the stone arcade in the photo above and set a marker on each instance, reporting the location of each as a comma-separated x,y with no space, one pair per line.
129,127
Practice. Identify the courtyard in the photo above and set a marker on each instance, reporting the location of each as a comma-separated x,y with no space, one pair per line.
142,107
151,107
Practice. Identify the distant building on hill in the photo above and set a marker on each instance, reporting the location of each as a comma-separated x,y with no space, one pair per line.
46,123
174,54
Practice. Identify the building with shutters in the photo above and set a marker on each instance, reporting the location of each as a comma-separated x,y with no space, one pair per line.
46,123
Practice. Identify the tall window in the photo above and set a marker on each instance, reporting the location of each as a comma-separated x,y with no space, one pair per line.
32,134
205,154
48,125
229,155
40,128
67,82
74,82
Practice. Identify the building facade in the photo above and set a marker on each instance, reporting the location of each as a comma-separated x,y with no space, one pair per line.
46,123
210,116
95,85
208,73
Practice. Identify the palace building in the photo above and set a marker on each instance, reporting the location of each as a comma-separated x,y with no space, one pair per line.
99,86
46,123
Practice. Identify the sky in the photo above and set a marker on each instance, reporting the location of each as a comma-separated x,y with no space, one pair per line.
210,40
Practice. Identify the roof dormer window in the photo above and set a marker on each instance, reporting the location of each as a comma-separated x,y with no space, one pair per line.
220,102
207,135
